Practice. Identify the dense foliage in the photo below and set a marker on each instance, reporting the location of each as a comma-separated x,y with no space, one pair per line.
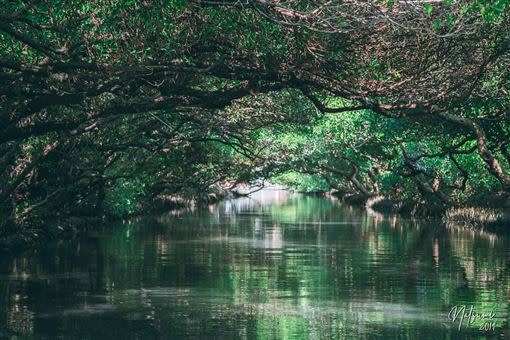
113,106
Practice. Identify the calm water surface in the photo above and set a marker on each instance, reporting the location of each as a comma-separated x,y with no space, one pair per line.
274,266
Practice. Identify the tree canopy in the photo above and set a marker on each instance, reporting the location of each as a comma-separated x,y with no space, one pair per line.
112,105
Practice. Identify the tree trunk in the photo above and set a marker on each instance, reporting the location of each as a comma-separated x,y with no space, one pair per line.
483,150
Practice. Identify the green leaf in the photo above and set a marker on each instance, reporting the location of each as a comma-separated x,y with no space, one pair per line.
428,9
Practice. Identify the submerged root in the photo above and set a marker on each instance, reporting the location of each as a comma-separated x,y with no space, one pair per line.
386,205
476,217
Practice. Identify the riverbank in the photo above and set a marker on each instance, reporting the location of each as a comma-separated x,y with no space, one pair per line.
33,237
484,218
492,218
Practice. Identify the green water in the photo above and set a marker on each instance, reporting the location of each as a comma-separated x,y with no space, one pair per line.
275,266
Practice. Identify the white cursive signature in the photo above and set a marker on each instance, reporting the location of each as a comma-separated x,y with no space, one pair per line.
466,315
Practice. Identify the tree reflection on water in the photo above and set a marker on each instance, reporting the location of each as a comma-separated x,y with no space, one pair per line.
278,265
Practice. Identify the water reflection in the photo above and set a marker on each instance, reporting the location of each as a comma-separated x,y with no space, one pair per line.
277,265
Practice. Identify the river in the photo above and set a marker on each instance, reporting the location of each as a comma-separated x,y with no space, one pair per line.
278,265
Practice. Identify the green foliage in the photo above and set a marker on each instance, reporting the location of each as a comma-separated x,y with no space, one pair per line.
134,101
126,197
301,182
491,10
